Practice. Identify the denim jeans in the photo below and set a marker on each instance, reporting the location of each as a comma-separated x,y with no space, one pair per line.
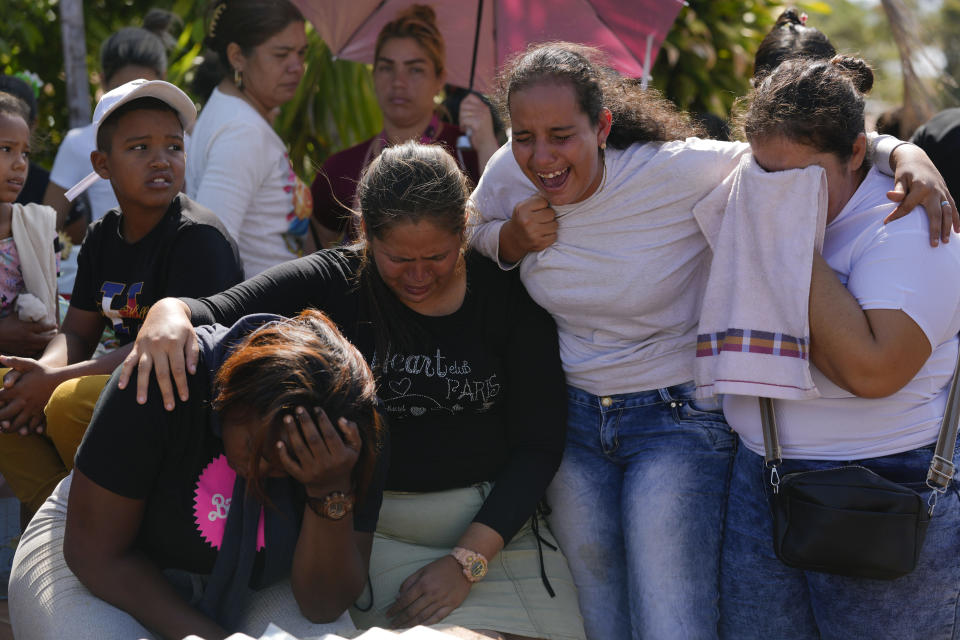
763,598
638,510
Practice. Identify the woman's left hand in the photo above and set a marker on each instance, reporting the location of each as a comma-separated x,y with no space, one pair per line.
430,594
315,455
917,181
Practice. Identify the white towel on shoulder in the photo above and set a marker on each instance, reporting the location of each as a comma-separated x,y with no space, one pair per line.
34,229
754,332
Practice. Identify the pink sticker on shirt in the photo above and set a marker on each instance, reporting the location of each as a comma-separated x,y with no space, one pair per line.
211,502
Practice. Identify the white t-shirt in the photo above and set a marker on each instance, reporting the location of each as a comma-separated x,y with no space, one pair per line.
72,164
884,267
625,278
238,167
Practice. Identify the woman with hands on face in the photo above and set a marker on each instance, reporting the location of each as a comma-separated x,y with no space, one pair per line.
255,502
468,370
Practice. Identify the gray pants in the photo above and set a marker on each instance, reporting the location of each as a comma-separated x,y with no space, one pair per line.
48,601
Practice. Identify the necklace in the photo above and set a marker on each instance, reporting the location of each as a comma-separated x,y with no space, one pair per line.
603,182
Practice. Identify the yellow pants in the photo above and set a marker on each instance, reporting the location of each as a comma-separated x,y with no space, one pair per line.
33,464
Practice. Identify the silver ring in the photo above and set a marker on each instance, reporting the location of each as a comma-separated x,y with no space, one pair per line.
945,203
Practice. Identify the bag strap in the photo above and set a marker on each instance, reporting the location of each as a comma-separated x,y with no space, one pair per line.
941,468
772,453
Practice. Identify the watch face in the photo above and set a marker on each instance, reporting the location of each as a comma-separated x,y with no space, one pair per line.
477,570
336,509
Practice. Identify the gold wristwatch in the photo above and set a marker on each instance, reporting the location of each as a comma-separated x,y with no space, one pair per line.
333,506
473,563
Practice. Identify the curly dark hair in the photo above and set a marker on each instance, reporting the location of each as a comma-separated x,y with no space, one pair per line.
639,115
818,103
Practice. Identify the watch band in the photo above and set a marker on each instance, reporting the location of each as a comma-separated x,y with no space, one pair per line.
473,562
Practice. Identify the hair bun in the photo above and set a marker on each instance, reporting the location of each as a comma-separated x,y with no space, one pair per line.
857,69
160,23
788,17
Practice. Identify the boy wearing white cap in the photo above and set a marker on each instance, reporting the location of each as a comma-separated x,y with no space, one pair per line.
158,243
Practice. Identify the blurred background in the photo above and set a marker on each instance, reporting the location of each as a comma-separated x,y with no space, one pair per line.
704,64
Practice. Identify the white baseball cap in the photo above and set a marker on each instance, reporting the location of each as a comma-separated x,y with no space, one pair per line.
140,88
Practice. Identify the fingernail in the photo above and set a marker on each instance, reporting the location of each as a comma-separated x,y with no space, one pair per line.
288,419
141,399
168,406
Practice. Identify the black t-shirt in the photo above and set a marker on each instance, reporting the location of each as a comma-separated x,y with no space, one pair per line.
174,462
188,253
940,138
479,398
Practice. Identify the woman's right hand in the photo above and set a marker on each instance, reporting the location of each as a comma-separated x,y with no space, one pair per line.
532,227
167,345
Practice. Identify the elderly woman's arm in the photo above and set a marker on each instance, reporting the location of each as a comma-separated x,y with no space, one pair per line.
99,548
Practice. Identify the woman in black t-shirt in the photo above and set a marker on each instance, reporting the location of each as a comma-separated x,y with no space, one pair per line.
468,370
203,520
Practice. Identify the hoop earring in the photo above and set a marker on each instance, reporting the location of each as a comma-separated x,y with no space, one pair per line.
238,78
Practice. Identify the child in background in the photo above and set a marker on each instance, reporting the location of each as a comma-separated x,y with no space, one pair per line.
28,239
157,244
128,54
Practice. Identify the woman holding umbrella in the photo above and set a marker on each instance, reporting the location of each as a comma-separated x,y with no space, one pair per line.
409,71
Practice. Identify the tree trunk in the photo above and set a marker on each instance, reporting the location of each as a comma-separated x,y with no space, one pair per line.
917,101
75,62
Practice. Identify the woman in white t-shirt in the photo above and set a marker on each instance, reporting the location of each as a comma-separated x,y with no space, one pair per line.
594,198
237,165
883,346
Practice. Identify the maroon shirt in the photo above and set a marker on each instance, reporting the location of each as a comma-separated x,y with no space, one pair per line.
334,189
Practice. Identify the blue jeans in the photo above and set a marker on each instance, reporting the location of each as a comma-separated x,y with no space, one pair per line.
638,510
763,598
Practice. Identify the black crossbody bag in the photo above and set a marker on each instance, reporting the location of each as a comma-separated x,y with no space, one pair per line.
849,520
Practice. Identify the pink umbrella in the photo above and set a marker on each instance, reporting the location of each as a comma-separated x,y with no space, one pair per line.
482,34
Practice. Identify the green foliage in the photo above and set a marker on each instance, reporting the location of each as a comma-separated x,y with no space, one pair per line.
948,26
333,109
707,58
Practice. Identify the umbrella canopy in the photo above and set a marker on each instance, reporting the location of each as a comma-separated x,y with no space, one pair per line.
481,34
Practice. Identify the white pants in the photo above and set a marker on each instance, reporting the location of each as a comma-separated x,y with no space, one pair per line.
48,601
